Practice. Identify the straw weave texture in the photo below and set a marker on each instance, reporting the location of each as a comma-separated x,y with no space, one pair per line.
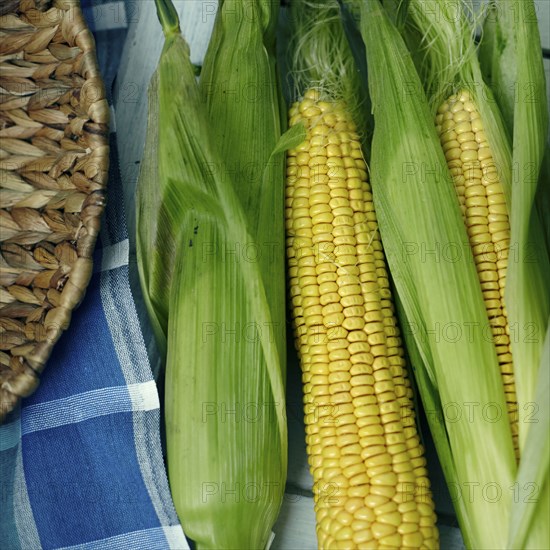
54,160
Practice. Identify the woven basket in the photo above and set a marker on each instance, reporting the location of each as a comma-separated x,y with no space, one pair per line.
54,160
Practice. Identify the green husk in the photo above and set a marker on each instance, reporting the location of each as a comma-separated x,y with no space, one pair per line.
513,57
152,260
224,398
224,383
417,210
487,51
528,294
434,413
241,90
527,291
156,242
500,57
529,519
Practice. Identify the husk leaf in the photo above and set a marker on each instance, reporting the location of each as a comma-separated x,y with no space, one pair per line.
527,289
528,522
224,398
242,94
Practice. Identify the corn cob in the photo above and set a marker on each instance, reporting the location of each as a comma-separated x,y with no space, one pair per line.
371,486
190,221
483,205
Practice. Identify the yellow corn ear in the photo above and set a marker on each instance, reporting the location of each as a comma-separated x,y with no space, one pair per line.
483,204
371,486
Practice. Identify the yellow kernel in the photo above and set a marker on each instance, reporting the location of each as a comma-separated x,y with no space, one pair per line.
351,449
463,127
333,320
390,542
362,380
343,534
317,160
373,501
374,450
359,480
360,491
467,138
461,116
425,509
339,376
363,401
385,508
406,477
380,530
484,153
377,470
426,532
311,111
412,539
391,518
378,460
367,410
383,490
345,518
406,528
388,478
411,516
354,505
407,506
320,129
426,521
360,538
340,365
370,430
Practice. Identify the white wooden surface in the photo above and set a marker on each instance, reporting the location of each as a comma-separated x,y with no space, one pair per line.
296,525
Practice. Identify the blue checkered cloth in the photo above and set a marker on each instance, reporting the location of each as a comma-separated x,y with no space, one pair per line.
81,461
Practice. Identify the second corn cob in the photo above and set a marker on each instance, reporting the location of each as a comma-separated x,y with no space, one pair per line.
371,485
484,210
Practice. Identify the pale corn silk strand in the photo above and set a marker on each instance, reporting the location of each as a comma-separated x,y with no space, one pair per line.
322,59
371,487
483,205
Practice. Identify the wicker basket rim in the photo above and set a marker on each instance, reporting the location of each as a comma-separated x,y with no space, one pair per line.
43,280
